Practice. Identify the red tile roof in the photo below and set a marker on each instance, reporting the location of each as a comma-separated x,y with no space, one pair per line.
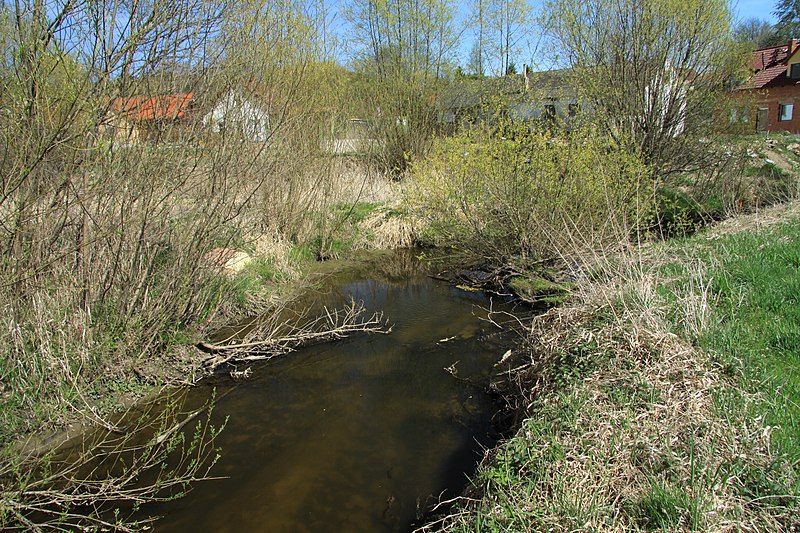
769,66
166,106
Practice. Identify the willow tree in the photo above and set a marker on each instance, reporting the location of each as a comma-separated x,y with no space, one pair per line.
107,232
788,14
651,73
411,36
757,33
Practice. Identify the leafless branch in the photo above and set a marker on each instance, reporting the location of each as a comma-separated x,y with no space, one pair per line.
276,340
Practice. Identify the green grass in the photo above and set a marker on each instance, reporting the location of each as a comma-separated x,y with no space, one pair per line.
534,288
305,252
756,289
766,170
354,213
666,506
256,278
337,235
753,283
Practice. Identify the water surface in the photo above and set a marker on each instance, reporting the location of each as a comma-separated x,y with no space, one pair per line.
360,435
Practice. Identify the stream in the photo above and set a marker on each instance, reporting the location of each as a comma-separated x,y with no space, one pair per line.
359,435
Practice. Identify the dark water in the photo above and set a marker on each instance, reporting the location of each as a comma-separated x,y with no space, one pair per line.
360,435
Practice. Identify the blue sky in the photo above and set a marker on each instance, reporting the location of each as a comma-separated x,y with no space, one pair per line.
742,9
761,9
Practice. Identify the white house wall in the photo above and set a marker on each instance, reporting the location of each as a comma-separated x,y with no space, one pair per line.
236,112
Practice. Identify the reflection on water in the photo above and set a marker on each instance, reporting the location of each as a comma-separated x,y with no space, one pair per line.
357,435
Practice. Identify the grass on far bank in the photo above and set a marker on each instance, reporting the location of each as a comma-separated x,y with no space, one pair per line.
664,396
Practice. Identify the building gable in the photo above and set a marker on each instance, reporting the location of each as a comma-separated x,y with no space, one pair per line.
773,90
235,113
792,71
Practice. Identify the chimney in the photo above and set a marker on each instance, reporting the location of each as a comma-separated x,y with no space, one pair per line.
527,74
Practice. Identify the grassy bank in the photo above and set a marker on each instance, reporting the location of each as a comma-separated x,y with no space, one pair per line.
663,396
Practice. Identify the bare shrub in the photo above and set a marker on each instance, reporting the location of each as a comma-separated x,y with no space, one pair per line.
137,137
99,480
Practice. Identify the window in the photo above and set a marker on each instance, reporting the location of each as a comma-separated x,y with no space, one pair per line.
785,112
794,71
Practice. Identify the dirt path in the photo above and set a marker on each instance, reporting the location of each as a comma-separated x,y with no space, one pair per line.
762,218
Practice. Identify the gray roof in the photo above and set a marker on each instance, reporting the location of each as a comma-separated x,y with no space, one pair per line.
468,93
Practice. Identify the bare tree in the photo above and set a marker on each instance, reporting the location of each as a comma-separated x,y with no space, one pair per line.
510,21
116,189
756,33
404,36
478,52
651,73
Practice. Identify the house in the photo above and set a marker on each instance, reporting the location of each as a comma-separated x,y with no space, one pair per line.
460,104
351,136
242,116
549,96
158,118
531,96
773,90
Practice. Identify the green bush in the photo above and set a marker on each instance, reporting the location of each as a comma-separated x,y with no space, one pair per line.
528,194
678,213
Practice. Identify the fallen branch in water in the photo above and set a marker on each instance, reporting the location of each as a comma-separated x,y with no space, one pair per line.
279,339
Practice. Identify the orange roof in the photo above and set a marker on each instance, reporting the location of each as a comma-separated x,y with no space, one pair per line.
165,106
769,66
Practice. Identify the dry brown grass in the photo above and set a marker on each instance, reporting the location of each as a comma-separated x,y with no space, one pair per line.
384,229
667,429
761,219
625,430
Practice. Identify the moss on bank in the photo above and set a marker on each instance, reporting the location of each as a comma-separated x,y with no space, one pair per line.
538,289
